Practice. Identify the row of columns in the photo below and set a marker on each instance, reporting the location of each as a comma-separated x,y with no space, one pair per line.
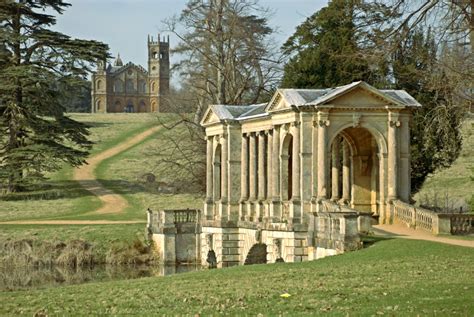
336,168
261,163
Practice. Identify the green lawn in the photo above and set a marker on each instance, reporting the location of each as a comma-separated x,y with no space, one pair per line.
392,277
62,198
457,181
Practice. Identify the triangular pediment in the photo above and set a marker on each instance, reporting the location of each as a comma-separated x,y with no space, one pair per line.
359,95
278,102
209,117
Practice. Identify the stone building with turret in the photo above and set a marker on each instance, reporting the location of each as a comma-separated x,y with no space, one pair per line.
131,88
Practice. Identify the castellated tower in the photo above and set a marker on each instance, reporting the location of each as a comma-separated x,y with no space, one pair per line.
159,72
99,88
120,87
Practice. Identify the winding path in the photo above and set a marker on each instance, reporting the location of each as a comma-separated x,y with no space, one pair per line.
112,203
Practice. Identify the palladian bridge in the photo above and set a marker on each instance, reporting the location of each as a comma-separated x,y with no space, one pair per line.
299,177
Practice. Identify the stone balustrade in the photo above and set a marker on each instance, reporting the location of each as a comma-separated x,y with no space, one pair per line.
335,233
436,223
175,234
462,223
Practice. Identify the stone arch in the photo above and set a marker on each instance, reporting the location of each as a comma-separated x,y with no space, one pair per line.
257,254
142,106
98,105
154,106
217,172
363,185
286,155
129,106
99,84
153,86
118,106
378,135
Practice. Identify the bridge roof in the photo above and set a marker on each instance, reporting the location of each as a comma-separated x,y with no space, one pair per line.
286,99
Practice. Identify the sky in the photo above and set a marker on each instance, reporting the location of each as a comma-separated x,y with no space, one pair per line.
125,24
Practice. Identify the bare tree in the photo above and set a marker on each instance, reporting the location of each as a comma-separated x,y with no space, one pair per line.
226,56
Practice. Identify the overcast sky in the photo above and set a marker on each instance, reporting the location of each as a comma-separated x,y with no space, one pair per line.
125,24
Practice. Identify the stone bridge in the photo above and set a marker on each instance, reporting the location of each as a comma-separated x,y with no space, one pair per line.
301,177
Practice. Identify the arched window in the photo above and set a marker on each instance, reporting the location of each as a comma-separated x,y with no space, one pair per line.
153,106
142,86
118,86
153,87
142,106
99,84
99,105
118,106
154,55
130,86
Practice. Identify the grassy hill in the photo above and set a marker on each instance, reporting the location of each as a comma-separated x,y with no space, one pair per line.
456,183
63,198
392,277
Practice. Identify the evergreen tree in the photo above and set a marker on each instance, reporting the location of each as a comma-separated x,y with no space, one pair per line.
435,133
36,136
326,50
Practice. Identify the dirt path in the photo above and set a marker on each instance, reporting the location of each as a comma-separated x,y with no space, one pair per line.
401,231
111,202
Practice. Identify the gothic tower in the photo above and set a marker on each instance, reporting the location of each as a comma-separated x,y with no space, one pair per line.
99,89
159,73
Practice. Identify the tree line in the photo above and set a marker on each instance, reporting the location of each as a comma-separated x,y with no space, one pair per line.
228,56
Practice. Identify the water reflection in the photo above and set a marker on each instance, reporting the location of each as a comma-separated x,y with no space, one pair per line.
34,278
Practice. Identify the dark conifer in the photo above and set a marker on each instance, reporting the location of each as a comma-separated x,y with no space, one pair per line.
35,134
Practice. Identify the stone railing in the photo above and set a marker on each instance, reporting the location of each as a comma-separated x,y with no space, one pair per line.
363,218
158,220
175,234
336,231
462,223
422,218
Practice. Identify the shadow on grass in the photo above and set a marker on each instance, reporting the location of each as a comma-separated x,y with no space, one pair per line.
93,124
53,190
369,240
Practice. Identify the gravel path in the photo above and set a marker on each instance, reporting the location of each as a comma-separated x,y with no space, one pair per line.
112,203
401,231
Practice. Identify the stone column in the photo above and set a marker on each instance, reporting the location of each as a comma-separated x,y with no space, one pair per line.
245,168
275,210
209,204
217,170
276,164
209,181
296,168
323,123
253,168
261,166
224,164
393,124
336,167
346,176
268,184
